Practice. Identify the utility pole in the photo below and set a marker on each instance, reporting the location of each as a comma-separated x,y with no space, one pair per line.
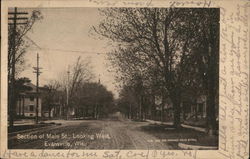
12,51
140,111
99,80
130,110
67,95
38,72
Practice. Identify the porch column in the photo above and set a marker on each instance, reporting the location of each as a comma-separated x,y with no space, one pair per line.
19,105
23,98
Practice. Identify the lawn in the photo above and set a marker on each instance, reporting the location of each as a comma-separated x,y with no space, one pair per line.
174,136
18,128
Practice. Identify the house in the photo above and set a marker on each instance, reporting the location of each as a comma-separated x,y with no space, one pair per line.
53,102
26,103
194,107
191,107
167,108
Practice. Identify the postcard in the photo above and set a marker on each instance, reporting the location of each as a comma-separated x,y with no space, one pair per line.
125,79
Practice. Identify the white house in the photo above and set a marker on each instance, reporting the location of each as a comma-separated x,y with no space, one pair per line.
26,104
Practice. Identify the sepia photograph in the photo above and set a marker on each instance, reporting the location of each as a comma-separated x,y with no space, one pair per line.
113,78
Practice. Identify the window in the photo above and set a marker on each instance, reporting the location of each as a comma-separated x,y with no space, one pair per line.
31,98
32,108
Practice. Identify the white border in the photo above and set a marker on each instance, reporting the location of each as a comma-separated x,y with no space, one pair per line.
204,154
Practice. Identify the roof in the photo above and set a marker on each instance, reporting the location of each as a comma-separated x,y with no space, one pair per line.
31,91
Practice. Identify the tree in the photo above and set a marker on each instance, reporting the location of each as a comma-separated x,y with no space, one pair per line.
147,36
93,99
21,43
128,102
73,79
21,86
205,47
163,39
16,49
50,95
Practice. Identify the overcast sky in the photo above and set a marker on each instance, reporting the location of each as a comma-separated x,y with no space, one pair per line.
61,32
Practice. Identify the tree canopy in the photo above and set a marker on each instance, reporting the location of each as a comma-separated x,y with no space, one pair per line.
169,49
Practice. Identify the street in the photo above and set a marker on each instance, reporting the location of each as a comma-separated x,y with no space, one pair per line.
113,133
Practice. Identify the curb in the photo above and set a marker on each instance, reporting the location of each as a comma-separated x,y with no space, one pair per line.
196,147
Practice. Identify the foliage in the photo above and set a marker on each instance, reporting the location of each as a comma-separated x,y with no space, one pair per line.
21,44
164,51
16,49
94,97
50,95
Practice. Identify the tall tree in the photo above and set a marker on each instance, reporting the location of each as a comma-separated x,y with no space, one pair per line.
93,98
74,78
17,46
50,95
164,39
147,36
21,42
206,55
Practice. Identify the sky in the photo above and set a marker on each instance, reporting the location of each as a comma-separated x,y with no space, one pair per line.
61,37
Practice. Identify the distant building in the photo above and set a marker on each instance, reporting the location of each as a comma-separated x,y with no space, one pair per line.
167,108
194,107
26,104
53,102
191,107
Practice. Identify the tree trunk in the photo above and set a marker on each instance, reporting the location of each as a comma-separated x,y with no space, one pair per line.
140,108
97,112
23,106
152,109
86,111
12,107
212,84
196,113
93,113
177,112
162,111
67,112
213,76
211,119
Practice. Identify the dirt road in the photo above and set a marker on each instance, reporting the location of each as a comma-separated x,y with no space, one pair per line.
114,133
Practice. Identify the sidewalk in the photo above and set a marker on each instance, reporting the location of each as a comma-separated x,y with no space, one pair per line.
33,122
159,122
194,127
56,121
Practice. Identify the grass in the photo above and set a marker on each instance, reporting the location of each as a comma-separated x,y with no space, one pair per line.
184,134
26,127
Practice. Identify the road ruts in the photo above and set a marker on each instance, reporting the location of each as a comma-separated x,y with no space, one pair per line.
123,134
